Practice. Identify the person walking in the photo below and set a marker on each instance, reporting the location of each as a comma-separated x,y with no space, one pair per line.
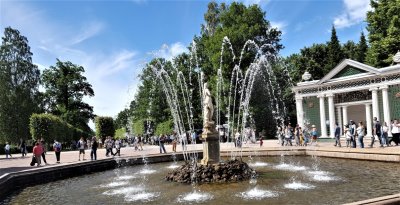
81,146
174,142
360,134
297,135
337,135
57,150
314,135
353,133
22,147
347,135
43,144
384,135
108,143
395,133
7,150
306,136
117,145
376,132
161,142
37,152
140,142
261,142
93,153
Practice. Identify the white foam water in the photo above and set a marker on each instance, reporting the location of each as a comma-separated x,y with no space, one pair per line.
324,178
258,164
173,166
298,186
290,167
143,196
115,184
256,194
123,191
195,197
127,177
319,173
147,171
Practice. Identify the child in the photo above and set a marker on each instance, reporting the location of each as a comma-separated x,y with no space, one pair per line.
7,149
347,135
261,142
314,134
37,152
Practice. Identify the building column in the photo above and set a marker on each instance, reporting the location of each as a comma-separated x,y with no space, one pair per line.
345,118
339,113
331,108
375,105
300,111
368,122
386,108
322,114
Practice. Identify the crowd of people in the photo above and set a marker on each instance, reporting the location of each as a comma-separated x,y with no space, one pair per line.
353,133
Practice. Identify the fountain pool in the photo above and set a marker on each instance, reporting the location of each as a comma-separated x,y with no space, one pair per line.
280,180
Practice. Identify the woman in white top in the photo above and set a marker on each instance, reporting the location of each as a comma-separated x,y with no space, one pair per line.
360,134
395,132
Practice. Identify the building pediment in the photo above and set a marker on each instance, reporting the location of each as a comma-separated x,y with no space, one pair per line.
349,68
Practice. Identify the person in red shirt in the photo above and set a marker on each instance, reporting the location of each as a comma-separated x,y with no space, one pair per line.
37,152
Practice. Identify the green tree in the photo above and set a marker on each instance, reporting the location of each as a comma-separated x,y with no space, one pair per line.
362,49
19,83
351,50
104,126
334,52
138,127
121,121
65,87
120,133
384,31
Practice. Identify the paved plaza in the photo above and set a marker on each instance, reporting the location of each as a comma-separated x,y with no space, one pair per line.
17,163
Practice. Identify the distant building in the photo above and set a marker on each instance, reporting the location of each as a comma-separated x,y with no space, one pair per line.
350,91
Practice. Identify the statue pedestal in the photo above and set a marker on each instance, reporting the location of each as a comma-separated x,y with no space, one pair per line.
210,145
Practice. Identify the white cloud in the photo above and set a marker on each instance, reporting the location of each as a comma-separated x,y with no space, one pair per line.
355,12
88,31
170,51
112,73
279,25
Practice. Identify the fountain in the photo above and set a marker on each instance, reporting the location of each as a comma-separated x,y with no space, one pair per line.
210,168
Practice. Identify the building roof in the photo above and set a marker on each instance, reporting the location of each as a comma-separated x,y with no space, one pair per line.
348,71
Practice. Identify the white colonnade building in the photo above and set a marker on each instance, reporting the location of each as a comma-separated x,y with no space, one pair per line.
351,91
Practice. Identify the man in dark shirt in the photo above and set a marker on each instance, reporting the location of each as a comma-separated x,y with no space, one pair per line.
337,135
376,131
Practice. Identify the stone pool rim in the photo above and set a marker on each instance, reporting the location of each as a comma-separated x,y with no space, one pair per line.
15,181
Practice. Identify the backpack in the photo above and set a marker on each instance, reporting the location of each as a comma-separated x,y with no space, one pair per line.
57,147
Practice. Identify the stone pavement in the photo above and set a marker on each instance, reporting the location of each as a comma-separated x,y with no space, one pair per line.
17,163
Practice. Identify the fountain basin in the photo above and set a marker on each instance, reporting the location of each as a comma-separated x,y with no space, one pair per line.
352,180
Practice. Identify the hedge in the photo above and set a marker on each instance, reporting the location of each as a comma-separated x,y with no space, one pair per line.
104,126
50,128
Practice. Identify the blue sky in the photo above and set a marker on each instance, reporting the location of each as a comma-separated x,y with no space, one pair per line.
114,39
